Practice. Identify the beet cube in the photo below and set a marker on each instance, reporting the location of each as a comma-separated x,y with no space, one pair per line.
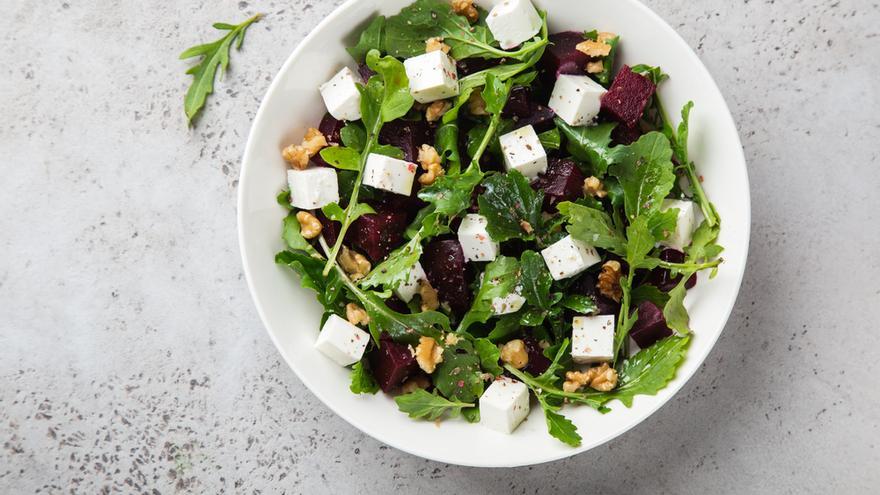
391,363
408,135
445,266
331,129
651,325
518,103
525,110
563,181
538,362
377,234
628,97
625,135
329,228
468,66
663,279
562,56
604,305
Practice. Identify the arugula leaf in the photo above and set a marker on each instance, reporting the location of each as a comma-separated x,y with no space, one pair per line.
655,74
508,203
499,279
354,136
535,280
371,38
558,425
595,227
335,212
680,148
213,55
459,376
283,199
648,292
471,414
291,234
645,172
405,328
489,356
362,382
579,303
396,98
661,223
648,371
551,140
446,143
591,144
342,157
703,246
505,327
329,288
451,194
471,82
397,267
422,404
674,311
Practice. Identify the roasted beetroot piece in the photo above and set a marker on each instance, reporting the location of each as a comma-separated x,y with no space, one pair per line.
331,129
538,363
561,57
396,304
518,104
541,119
628,97
604,305
625,135
663,279
408,135
651,325
523,108
365,72
445,266
563,181
468,66
377,234
409,205
329,228
391,363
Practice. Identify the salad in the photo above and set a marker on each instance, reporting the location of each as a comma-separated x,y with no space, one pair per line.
490,212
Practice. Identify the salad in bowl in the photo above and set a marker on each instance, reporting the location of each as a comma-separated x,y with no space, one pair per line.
490,212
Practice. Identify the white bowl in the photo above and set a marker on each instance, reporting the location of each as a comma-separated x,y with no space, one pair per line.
291,314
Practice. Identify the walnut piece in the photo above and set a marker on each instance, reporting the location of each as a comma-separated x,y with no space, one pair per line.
436,44
430,297
594,187
467,9
605,37
594,48
476,104
602,378
356,315
354,264
609,280
309,225
297,155
451,339
595,67
414,383
430,161
428,354
314,141
436,110
526,227
515,354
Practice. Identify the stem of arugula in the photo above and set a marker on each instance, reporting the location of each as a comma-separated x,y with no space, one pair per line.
623,325
693,267
579,397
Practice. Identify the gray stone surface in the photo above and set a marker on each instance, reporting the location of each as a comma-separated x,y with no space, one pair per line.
132,359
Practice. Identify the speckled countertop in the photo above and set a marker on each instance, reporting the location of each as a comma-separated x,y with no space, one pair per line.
132,359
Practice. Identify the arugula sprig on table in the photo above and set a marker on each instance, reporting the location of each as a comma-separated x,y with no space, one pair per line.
213,56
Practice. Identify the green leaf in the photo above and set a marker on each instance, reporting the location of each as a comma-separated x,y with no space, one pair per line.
283,199
489,356
495,93
655,74
362,382
292,236
648,292
342,157
471,414
422,404
680,144
387,150
334,212
661,223
405,328
579,303
558,425
551,140
674,311
451,194
397,267
329,289
354,136
591,144
535,280
499,279
649,370
214,55
371,38
459,376
640,241
703,246
505,327
645,172
446,143
508,203
396,99
470,83
594,227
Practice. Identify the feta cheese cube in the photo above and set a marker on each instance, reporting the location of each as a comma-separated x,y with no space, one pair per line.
410,286
511,303
313,188
389,174
592,339
569,257
523,152
341,96
432,76
681,237
513,22
476,243
341,341
504,405
576,99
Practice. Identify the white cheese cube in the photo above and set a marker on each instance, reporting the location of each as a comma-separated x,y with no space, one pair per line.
432,76
504,405
389,174
592,339
513,22
476,243
341,96
410,286
341,341
313,188
569,257
511,303
523,152
681,237
576,99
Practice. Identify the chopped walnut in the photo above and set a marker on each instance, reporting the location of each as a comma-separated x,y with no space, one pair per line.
594,187
309,225
429,296
297,155
467,9
451,339
595,67
354,264
602,378
515,354
430,161
414,383
314,141
526,227
436,44
594,48
605,37
609,280
476,104
437,109
356,315
428,354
